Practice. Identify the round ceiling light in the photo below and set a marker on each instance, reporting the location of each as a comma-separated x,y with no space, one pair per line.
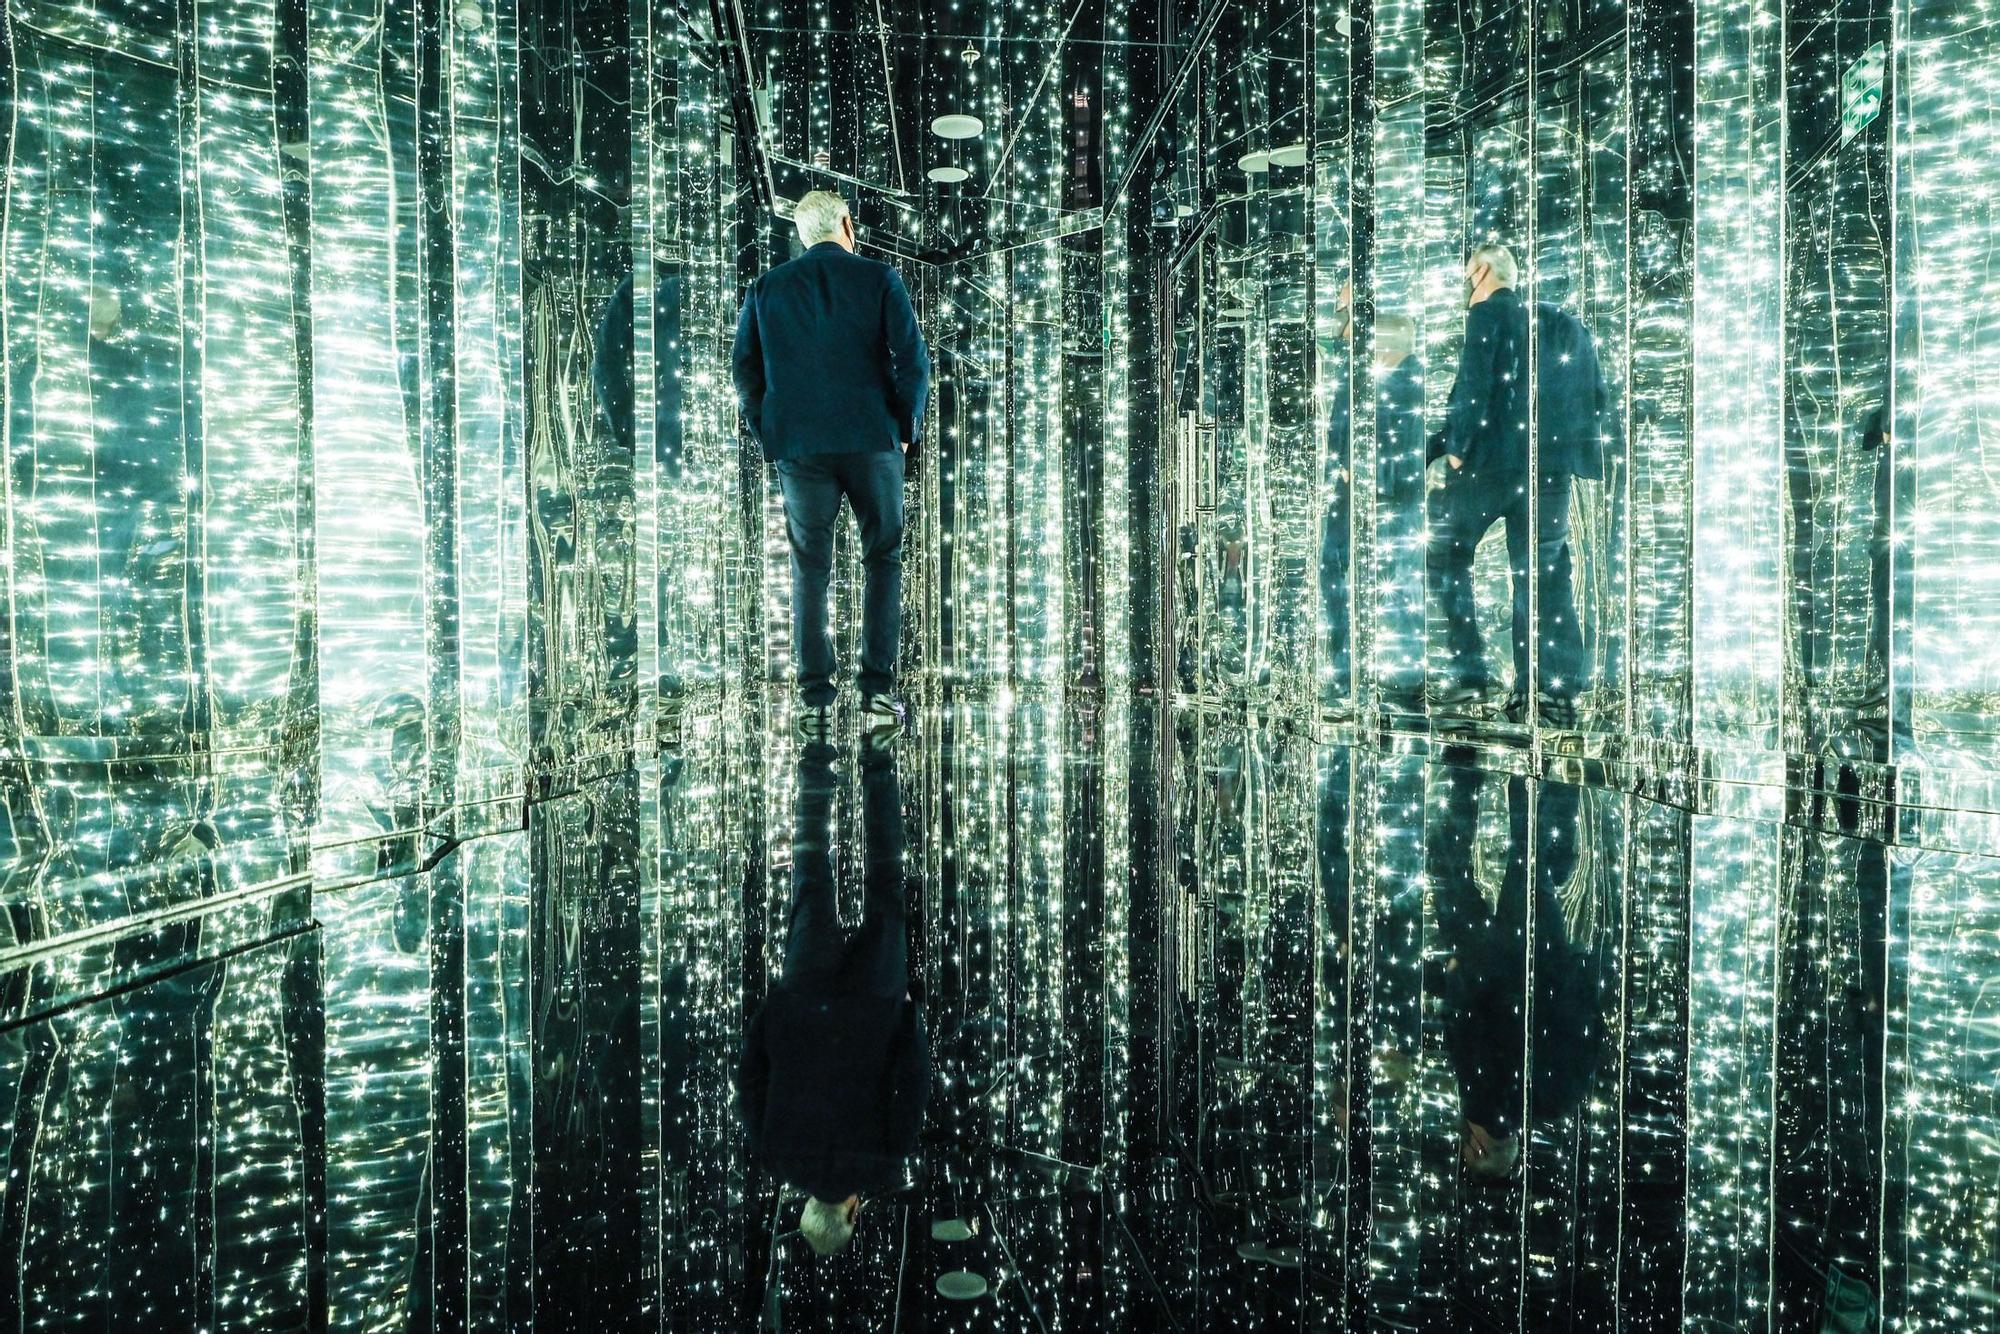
1291,155
957,126
1344,25
950,1229
1254,163
961,1285
949,175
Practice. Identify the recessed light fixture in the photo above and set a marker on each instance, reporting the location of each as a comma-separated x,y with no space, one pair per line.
949,175
1291,155
961,1285
957,126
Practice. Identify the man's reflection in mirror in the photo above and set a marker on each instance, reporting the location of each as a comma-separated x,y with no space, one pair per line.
141,495
1485,443
836,1067
1513,1055
613,377
616,385
1398,380
1871,707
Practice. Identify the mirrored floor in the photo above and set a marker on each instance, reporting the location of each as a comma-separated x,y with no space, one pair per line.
1108,1022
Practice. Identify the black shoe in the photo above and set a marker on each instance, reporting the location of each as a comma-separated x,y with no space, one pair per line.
881,715
813,724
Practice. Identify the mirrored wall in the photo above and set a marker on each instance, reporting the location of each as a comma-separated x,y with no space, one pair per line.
1662,517
372,464
343,445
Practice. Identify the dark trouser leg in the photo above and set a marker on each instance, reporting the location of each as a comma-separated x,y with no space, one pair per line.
1399,528
814,941
874,485
1335,550
1461,512
812,506
1559,670
821,956
879,960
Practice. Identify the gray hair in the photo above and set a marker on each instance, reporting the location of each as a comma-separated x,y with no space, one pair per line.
1500,259
825,1226
1396,332
817,215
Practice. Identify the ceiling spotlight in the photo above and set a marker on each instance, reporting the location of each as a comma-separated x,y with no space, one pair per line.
1291,155
970,55
957,126
961,1285
949,175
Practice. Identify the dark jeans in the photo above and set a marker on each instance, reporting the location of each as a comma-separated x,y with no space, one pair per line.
1461,512
823,958
873,485
1399,621
1335,560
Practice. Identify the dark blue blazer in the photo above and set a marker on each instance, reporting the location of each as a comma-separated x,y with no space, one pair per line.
1486,419
829,359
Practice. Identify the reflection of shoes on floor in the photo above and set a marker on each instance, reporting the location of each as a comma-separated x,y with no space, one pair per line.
882,715
878,748
813,723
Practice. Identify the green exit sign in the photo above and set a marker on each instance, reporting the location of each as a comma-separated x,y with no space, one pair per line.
1861,91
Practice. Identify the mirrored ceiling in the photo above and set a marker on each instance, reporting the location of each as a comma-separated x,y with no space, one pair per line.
961,128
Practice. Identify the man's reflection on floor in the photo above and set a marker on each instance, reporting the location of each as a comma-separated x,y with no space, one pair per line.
836,1067
1500,1040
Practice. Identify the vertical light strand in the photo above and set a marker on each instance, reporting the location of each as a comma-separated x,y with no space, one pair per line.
1737,426
1947,391
1731,1036
491,475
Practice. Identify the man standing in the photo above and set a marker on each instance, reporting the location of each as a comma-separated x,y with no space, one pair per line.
1399,467
831,378
1485,442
